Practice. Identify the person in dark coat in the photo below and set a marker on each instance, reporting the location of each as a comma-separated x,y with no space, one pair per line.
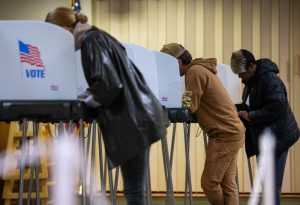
268,108
130,116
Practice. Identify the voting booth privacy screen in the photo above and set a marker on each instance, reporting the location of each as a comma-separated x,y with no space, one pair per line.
37,62
230,81
161,72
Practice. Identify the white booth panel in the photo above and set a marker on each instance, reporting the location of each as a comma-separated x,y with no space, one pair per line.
169,82
160,71
81,81
145,60
37,62
230,81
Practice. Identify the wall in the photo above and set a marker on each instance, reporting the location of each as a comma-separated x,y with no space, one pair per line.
35,9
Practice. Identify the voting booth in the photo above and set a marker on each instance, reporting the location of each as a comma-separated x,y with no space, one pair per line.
37,82
41,76
35,64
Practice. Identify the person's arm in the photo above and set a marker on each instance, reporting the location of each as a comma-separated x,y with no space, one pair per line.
99,68
274,102
87,97
195,84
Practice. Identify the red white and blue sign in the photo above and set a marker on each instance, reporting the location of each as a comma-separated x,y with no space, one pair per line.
31,62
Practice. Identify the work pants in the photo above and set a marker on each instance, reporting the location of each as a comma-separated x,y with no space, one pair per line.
219,175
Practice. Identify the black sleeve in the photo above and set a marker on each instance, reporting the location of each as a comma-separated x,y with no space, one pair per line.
274,101
99,68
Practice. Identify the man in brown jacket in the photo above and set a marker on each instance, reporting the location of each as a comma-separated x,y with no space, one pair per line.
216,114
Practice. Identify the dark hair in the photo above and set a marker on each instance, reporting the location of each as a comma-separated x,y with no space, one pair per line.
186,58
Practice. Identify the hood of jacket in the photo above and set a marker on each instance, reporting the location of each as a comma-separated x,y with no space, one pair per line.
209,63
264,66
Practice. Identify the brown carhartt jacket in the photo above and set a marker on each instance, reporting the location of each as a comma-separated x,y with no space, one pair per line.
214,110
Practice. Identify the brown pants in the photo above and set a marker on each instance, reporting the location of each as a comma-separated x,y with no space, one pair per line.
218,178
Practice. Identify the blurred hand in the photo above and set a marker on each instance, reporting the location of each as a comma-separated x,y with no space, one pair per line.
186,98
83,94
244,114
87,97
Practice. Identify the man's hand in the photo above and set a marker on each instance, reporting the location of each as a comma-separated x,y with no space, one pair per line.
244,114
187,98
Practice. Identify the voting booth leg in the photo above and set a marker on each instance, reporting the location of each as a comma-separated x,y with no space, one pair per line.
172,144
34,170
168,172
188,180
102,166
86,157
113,185
92,172
148,185
250,172
82,158
23,158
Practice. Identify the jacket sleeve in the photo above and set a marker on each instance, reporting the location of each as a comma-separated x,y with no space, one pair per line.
195,84
99,69
274,102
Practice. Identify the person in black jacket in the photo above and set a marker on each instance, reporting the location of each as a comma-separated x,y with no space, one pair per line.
268,108
130,116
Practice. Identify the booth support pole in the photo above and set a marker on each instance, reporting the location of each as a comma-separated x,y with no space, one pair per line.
188,181
34,171
250,172
113,184
82,157
148,184
34,167
102,167
23,158
168,171
93,136
172,144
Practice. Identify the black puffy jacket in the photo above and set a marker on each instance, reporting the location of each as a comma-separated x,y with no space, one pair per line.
269,108
130,116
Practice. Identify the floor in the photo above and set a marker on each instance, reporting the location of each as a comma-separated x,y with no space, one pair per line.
197,201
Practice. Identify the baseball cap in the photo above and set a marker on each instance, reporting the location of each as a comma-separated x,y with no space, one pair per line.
173,49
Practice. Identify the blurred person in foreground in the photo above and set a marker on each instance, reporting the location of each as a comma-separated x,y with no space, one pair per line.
268,108
216,114
130,116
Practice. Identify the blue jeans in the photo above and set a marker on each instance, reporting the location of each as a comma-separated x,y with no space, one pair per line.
280,161
134,174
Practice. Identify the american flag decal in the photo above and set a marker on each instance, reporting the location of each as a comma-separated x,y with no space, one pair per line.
30,54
